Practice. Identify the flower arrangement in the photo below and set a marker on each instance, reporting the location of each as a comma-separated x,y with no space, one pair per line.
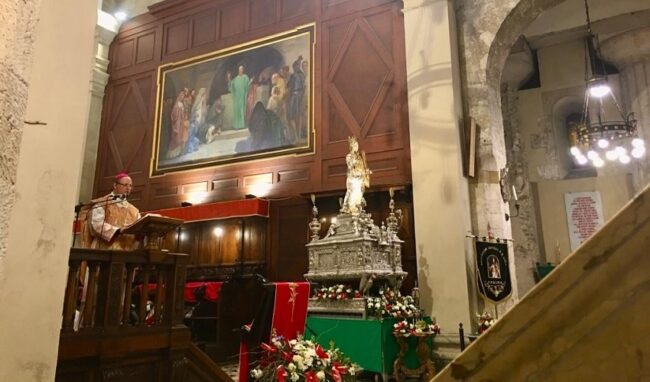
405,328
391,303
336,293
302,360
485,320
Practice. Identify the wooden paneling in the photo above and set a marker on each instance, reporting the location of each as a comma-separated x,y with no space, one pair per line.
233,19
293,8
177,36
359,89
145,48
289,234
367,100
204,28
123,56
223,243
263,12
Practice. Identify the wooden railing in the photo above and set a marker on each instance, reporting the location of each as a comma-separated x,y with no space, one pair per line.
108,291
103,285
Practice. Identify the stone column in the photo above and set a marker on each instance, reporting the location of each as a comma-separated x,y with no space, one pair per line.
34,267
440,191
630,52
103,39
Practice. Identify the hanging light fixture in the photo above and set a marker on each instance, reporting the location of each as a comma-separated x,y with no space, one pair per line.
599,140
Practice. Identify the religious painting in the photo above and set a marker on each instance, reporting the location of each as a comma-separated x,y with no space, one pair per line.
249,102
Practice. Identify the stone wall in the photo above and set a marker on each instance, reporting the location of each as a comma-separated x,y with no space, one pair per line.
18,19
42,179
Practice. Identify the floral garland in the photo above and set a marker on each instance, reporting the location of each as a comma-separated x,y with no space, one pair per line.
485,321
302,360
336,293
391,303
405,328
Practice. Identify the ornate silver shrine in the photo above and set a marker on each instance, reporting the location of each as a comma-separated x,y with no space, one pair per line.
355,250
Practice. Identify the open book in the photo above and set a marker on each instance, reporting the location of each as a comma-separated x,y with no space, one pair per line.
152,223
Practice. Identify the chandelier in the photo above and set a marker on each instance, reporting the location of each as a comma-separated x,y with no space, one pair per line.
597,139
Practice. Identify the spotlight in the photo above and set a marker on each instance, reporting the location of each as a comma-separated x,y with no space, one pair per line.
121,16
218,231
575,151
603,143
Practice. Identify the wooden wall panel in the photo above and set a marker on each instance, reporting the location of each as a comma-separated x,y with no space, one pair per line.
242,241
177,36
233,19
145,49
367,100
123,57
262,12
204,28
293,8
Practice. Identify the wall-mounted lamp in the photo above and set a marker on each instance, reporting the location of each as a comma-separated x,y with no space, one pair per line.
218,231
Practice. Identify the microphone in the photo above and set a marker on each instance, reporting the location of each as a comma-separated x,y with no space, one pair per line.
118,197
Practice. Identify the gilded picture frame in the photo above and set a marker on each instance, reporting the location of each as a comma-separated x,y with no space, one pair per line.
248,102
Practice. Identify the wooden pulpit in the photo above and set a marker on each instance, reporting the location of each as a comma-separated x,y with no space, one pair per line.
153,229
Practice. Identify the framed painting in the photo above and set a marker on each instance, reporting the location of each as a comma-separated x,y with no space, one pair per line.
243,103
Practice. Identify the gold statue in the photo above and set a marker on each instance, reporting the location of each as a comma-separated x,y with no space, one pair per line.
358,179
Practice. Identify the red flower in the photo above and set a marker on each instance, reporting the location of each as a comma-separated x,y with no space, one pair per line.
267,348
287,356
336,376
357,294
339,368
321,353
282,374
310,376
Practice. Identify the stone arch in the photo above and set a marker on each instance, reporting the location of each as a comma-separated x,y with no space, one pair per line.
512,26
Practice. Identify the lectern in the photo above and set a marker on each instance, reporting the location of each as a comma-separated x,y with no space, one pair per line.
153,229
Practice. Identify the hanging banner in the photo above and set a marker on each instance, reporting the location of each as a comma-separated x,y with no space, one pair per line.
584,214
493,270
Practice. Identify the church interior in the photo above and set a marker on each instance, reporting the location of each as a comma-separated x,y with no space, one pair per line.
324,190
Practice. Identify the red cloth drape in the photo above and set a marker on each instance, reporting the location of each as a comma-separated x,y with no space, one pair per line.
212,290
290,309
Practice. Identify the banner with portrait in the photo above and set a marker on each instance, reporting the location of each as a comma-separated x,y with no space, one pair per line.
493,270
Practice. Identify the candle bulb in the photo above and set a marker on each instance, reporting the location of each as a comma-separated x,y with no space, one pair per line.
514,193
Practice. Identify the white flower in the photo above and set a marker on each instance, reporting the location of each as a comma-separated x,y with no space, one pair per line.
297,359
377,305
352,370
291,367
293,342
295,377
256,373
320,375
